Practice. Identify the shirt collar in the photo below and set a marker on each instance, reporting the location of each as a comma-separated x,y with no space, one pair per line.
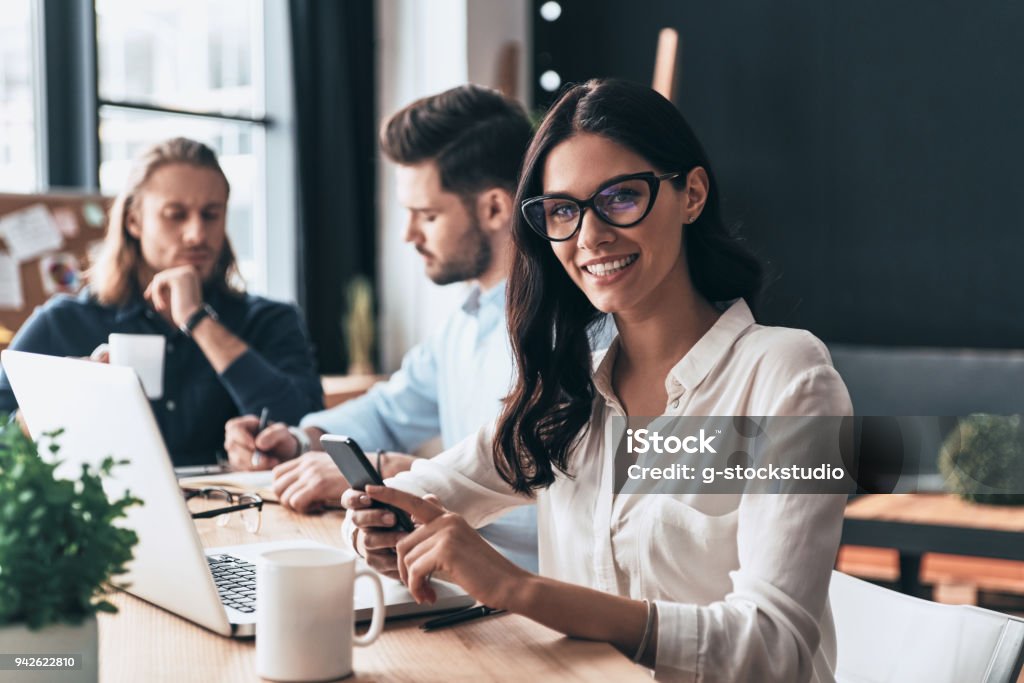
478,299
133,308
698,362
710,349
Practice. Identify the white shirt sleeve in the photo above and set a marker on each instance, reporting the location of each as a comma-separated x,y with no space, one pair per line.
767,627
463,478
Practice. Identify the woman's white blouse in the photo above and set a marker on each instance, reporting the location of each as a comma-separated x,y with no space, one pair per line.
740,581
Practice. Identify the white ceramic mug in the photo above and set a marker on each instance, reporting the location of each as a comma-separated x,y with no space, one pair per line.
305,619
145,354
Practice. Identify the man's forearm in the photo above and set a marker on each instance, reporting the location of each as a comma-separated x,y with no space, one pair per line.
218,344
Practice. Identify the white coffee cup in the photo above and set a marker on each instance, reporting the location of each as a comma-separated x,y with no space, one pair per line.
144,353
305,619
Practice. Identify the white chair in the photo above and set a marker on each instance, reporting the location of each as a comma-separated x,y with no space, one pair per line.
887,637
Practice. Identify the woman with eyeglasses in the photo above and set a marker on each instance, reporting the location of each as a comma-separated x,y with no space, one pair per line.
620,214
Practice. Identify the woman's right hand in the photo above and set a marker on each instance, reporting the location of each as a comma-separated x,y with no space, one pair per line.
374,537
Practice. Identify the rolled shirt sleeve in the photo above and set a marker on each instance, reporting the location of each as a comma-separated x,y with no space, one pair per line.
463,478
398,415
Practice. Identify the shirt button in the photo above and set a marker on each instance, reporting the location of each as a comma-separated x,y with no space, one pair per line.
171,406
170,347
675,403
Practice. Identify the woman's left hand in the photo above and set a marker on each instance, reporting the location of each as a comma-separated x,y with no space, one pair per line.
445,544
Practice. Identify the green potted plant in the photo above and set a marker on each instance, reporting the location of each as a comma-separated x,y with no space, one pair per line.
982,459
60,546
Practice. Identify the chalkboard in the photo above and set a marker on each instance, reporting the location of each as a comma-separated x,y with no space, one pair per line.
871,151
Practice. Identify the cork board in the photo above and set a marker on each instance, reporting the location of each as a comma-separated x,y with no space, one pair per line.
80,219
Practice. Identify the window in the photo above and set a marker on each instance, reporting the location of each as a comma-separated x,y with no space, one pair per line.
215,70
18,166
167,68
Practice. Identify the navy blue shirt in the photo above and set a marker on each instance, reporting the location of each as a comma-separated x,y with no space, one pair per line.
277,371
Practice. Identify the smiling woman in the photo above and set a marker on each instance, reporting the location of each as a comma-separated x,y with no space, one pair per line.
723,587
167,268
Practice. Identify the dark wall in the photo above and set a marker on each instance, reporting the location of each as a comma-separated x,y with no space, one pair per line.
872,151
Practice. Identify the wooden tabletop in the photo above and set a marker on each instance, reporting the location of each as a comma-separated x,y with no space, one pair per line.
940,509
146,643
919,523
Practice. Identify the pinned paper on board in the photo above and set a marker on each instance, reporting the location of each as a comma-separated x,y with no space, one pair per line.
93,251
60,273
67,222
94,215
30,233
11,295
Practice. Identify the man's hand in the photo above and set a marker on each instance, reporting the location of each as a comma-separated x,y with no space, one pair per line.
304,483
240,441
176,293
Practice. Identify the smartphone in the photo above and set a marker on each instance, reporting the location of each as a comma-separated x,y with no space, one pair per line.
353,463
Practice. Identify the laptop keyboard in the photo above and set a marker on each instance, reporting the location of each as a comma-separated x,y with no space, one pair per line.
236,581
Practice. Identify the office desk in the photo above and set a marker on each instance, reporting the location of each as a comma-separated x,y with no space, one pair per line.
918,523
145,643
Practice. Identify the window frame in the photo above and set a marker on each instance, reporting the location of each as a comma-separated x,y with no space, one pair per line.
70,146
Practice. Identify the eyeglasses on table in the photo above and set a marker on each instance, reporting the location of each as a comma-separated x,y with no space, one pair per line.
249,506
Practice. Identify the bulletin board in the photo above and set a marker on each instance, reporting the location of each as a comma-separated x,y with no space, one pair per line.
47,242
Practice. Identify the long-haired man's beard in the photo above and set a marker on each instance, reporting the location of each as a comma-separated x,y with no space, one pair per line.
470,262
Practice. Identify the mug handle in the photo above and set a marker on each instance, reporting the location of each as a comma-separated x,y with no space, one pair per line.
377,620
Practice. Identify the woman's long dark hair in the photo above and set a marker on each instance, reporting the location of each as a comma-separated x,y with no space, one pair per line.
549,316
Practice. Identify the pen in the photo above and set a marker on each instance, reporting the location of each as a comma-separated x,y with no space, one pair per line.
458,617
198,470
264,419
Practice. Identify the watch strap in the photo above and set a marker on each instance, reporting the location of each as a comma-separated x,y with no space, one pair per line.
204,311
305,444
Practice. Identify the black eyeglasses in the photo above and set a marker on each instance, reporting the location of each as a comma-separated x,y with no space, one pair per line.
249,505
622,202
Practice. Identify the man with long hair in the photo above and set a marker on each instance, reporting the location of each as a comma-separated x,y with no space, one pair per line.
167,268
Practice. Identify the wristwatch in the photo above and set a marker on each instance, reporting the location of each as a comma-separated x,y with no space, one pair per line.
302,439
204,311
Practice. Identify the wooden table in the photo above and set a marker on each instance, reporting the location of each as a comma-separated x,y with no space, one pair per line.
918,523
145,643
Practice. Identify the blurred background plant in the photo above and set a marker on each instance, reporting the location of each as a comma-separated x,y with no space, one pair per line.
982,459
359,326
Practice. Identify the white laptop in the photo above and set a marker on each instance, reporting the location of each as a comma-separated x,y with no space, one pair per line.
104,411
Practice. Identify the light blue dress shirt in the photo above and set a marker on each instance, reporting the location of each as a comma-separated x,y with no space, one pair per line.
451,384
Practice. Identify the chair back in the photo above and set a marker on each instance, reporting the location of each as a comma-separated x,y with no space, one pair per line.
884,636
